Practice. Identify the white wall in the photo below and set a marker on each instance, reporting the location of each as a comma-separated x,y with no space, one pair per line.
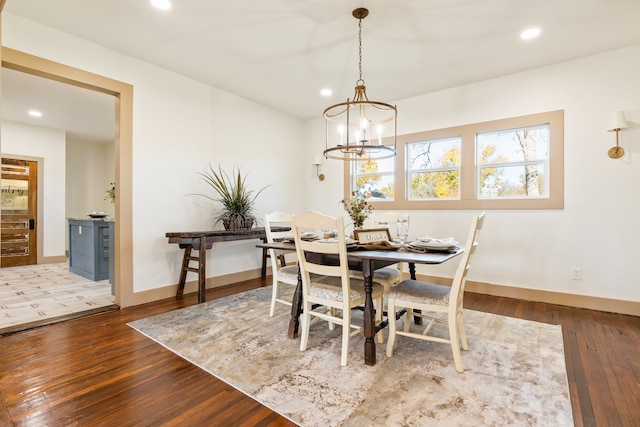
598,228
179,126
49,144
89,171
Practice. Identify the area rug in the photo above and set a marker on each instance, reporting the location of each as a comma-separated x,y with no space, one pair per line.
514,369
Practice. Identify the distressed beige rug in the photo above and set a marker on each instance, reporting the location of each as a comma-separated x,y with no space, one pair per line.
514,370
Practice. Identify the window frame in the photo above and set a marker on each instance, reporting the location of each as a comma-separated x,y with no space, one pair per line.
468,169
409,172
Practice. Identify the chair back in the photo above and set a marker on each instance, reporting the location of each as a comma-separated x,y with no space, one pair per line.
389,220
277,218
471,245
310,253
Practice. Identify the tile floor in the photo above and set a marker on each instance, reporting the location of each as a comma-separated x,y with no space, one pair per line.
39,292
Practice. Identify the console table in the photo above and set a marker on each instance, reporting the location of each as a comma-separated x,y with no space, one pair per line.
203,240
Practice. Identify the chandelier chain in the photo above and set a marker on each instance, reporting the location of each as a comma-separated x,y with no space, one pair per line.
360,48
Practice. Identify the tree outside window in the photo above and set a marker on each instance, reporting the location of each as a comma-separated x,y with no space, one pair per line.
375,178
433,169
512,163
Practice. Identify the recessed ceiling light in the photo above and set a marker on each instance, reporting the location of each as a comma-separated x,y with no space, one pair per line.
35,113
326,92
530,33
161,4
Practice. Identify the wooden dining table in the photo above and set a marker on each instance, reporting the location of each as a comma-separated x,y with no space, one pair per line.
366,261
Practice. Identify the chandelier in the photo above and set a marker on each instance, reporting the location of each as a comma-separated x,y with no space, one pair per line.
358,128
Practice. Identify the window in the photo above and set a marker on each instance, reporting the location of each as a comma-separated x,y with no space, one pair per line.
514,163
375,178
433,169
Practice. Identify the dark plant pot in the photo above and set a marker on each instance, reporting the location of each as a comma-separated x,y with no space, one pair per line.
238,223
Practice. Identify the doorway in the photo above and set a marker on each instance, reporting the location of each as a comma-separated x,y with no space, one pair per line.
123,93
19,214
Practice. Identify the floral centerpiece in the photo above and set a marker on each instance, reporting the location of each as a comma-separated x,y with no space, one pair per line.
357,207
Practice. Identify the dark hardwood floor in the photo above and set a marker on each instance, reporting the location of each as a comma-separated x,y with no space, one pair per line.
98,371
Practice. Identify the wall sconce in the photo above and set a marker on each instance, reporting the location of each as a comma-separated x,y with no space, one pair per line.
617,121
317,161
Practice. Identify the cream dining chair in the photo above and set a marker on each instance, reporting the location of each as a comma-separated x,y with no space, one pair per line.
332,294
284,266
430,298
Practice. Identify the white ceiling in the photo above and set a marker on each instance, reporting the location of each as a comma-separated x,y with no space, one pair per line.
84,114
280,53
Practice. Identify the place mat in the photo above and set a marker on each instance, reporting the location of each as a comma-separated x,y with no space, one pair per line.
423,250
432,244
383,245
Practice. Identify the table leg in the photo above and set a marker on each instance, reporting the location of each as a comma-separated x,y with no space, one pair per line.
202,269
265,252
184,270
412,270
369,315
296,309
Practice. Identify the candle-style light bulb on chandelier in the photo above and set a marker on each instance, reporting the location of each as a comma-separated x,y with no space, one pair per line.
360,129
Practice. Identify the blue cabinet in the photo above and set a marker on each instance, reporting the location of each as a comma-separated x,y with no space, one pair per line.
91,248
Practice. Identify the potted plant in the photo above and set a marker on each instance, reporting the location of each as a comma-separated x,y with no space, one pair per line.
110,194
237,211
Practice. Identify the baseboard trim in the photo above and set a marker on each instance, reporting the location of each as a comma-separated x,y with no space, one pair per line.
571,300
53,259
156,294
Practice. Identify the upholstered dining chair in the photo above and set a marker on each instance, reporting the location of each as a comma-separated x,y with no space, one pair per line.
284,266
392,275
430,299
332,294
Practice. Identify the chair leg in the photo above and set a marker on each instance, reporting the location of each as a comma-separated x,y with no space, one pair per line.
391,316
455,345
346,334
407,320
379,313
332,312
274,296
305,324
463,336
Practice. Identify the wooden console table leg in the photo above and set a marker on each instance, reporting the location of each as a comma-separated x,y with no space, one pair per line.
184,270
202,269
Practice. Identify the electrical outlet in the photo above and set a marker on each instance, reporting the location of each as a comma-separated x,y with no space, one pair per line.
175,266
576,273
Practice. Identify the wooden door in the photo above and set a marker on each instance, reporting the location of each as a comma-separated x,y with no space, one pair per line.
18,216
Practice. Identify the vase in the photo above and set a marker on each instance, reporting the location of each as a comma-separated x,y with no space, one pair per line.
353,234
238,223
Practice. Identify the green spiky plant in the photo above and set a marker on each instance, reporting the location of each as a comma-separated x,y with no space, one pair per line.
238,201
